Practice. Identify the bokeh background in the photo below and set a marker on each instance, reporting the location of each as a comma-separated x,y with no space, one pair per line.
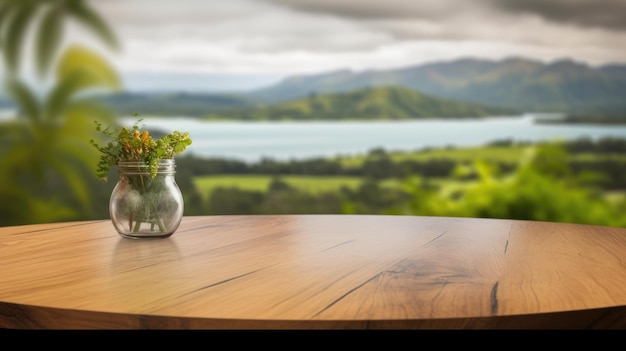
68,63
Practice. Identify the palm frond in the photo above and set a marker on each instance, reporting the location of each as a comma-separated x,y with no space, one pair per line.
90,18
17,26
79,70
86,69
48,38
72,176
25,99
5,12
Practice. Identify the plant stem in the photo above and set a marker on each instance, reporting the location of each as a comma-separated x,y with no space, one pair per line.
152,206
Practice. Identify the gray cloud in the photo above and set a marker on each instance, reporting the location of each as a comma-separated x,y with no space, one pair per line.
610,14
317,35
559,25
382,10
241,25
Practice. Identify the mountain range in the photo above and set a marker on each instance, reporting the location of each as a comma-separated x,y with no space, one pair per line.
467,86
518,83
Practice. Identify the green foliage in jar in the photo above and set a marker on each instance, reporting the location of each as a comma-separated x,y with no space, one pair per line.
136,145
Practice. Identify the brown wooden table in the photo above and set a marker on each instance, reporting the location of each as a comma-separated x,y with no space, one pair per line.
315,272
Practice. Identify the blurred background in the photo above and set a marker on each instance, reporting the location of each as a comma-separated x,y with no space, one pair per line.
477,108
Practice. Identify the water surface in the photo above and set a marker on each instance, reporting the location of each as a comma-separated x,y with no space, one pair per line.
251,141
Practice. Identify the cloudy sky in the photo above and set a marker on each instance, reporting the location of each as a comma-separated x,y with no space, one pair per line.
272,38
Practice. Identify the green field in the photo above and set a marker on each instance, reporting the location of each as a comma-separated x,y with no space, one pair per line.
314,184
311,184
464,157
509,154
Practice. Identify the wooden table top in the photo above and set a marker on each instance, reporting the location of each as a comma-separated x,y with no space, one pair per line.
315,272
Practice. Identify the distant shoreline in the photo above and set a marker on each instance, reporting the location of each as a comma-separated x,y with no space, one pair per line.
8,114
592,120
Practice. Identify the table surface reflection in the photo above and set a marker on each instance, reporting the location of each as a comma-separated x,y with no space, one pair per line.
315,272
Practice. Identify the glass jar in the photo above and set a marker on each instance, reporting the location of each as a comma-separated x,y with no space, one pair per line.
145,207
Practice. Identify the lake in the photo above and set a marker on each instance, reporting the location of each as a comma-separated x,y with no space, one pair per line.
252,141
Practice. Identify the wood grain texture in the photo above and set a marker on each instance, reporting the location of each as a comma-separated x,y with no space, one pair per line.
315,272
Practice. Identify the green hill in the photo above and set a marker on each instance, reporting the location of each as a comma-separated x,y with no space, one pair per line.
379,103
562,86
459,88
174,104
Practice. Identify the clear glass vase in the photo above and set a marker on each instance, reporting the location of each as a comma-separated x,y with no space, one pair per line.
146,207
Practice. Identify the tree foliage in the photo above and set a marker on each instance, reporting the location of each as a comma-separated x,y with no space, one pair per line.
45,153
543,187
